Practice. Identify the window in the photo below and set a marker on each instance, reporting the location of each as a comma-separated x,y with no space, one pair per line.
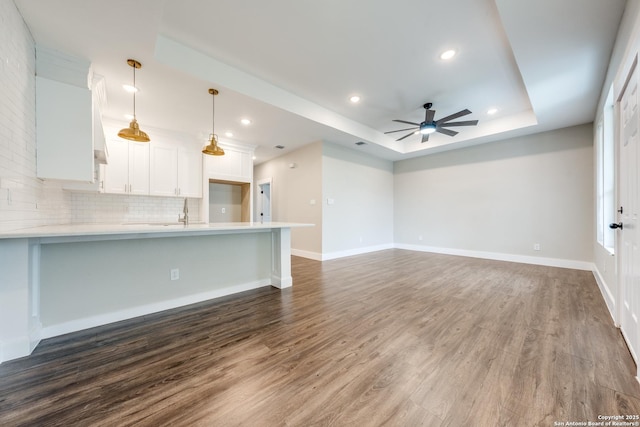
605,163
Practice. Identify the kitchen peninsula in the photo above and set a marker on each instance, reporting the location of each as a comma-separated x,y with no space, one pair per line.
65,278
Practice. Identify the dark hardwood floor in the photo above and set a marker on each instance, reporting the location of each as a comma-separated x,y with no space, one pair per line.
391,338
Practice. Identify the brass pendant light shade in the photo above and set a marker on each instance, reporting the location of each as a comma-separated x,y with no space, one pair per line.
213,149
133,132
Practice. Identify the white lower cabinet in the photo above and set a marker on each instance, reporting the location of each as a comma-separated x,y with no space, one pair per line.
128,169
175,171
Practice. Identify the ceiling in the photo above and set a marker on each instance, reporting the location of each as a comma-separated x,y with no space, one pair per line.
290,66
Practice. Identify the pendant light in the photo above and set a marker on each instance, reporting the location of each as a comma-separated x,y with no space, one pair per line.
133,132
212,149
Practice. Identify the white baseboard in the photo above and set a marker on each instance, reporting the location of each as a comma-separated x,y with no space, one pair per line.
523,259
356,251
116,316
340,254
306,254
14,349
606,293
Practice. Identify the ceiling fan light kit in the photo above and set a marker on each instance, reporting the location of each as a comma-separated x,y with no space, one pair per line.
429,126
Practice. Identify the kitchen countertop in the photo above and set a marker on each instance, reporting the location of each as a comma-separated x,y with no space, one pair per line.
147,229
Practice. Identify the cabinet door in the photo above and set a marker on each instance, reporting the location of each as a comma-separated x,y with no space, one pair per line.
138,168
64,134
163,170
233,166
116,172
189,173
246,166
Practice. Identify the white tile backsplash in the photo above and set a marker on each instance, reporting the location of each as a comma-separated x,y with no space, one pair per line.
116,208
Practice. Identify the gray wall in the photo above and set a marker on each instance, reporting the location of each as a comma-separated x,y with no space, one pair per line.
502,197
80,282
227,197
292,193
361,188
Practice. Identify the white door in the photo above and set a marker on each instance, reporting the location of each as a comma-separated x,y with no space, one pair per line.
629,262
264,201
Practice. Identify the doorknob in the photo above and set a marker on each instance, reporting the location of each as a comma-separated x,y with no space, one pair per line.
614,225
620,210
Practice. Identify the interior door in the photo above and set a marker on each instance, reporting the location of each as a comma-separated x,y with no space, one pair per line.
265,202
629,263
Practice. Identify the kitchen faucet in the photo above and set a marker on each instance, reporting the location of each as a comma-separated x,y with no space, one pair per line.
185,211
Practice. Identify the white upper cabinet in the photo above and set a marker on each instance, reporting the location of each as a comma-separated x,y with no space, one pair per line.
64,131
236,165
189,173
164,170
67,118
128,169
175,171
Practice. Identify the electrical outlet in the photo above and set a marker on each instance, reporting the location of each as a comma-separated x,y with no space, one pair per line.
536,246
420,237
223,210
175,274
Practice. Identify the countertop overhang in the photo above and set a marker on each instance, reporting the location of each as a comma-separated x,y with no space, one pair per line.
53,233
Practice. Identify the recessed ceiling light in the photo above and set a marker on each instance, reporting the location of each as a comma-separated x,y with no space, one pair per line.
130,88
448,54
360,143
254,157
228,134
355,99
245,122
279,147
492,111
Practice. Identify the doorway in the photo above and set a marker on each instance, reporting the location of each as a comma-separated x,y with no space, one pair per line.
264,200
628,300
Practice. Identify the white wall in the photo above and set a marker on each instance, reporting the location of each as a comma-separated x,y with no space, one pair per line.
501,198
25,201
292,192
624,51
361,188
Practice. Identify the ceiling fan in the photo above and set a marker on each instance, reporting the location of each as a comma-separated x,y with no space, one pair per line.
430,126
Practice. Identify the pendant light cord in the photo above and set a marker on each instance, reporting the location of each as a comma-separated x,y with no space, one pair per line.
135,89
213,114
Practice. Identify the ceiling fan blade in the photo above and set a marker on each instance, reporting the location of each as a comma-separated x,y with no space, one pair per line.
409,123
428,116
465,123
406,136
400,130
447,131
453,116
425,137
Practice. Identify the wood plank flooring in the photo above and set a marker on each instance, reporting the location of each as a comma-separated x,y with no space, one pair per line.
394,338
